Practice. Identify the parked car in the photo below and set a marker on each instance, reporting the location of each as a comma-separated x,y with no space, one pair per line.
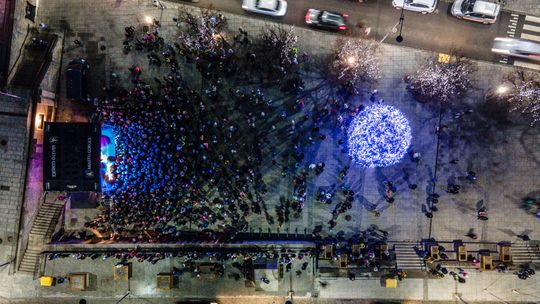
327,20
516,48
420,6
276,8
476,10
76,72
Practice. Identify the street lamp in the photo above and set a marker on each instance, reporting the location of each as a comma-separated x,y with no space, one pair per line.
501,90
125,296
350,61
399,38
148,19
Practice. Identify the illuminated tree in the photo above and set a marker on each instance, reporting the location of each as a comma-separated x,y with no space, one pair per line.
201,34
355,61
442,81
524,94
276,49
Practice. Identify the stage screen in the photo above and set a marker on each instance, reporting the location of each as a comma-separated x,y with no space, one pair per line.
71,157
108,158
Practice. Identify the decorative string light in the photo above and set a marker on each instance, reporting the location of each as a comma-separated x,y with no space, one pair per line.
378,136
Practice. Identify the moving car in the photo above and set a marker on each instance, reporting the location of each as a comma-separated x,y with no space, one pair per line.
276,8
516,48
421,6
476,10
326,19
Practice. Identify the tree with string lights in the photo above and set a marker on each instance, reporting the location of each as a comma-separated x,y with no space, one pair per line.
524,93
355,61
200,34
276,49
442,81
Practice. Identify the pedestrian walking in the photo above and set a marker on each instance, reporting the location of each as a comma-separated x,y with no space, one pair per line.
471,234
43,27
157,3
482,214
524,237
471,176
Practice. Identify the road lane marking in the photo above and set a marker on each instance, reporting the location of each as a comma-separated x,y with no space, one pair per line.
532,18
512,26
510,32
514,15
530,37
531,28
529,65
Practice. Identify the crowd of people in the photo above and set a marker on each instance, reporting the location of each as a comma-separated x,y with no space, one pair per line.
193,158
192,155
194,145
236,262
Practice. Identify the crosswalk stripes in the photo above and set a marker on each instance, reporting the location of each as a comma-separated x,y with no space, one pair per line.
526,64
530,30
512,26
533,19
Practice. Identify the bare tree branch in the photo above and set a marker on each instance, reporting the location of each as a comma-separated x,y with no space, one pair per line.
355,61
442,81
525,93
201,34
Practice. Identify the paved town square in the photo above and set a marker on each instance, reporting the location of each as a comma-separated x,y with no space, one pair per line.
254,160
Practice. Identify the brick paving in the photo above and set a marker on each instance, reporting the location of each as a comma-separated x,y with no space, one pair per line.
528,7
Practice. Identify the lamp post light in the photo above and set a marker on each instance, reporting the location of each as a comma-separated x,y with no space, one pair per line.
350,61
498,93
148,20
399,38
501,90
125,296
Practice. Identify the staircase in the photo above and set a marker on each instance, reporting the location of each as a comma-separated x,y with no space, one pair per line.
406,257
525,252
41,231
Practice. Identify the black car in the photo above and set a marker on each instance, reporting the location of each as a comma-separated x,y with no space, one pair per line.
326,19
76,72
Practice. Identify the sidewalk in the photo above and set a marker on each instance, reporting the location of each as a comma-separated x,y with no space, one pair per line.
481,287
527,7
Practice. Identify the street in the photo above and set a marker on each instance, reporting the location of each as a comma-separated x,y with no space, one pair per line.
437,32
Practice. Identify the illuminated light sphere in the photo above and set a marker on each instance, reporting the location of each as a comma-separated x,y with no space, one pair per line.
378,136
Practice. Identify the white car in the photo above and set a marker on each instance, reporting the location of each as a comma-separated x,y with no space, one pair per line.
516,48
476,10
276,8
420,6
